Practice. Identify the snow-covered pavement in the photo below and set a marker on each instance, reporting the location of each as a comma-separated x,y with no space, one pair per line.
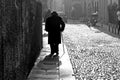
94,54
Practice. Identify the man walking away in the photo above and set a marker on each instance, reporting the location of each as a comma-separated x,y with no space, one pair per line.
54,26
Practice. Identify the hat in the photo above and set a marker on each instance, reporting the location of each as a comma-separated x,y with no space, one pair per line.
54,13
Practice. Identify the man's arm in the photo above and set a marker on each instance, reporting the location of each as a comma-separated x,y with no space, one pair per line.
46,25
62,24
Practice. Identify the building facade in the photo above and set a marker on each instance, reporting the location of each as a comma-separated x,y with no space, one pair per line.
75,9
86,7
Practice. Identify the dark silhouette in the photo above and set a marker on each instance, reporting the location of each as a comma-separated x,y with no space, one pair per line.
54,26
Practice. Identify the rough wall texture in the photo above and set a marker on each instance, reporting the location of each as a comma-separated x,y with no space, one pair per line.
112,12
1,58
20,37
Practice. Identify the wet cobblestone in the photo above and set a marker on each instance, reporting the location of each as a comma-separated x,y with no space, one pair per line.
94,56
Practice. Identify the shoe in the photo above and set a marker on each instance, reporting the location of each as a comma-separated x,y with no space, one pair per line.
50,55
56,55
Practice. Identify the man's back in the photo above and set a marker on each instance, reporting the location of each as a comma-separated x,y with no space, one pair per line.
53,23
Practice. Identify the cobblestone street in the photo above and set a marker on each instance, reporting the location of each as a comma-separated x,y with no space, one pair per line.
94,54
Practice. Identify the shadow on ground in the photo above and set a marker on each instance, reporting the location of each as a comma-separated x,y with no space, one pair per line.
49,63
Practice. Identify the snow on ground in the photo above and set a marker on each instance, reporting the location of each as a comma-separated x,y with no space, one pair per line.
94,54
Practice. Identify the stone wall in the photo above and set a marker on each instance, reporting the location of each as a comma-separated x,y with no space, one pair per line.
103,11
112,12
20,37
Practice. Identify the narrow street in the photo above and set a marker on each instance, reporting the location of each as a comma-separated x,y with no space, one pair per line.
84,54
94,54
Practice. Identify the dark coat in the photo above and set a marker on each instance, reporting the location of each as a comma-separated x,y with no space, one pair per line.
54,26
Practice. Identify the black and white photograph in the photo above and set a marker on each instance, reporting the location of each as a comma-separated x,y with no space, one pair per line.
59,39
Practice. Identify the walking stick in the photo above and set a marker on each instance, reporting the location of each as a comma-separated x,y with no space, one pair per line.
62,45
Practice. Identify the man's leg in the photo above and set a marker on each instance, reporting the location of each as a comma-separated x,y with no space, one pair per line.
56,49
52,50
